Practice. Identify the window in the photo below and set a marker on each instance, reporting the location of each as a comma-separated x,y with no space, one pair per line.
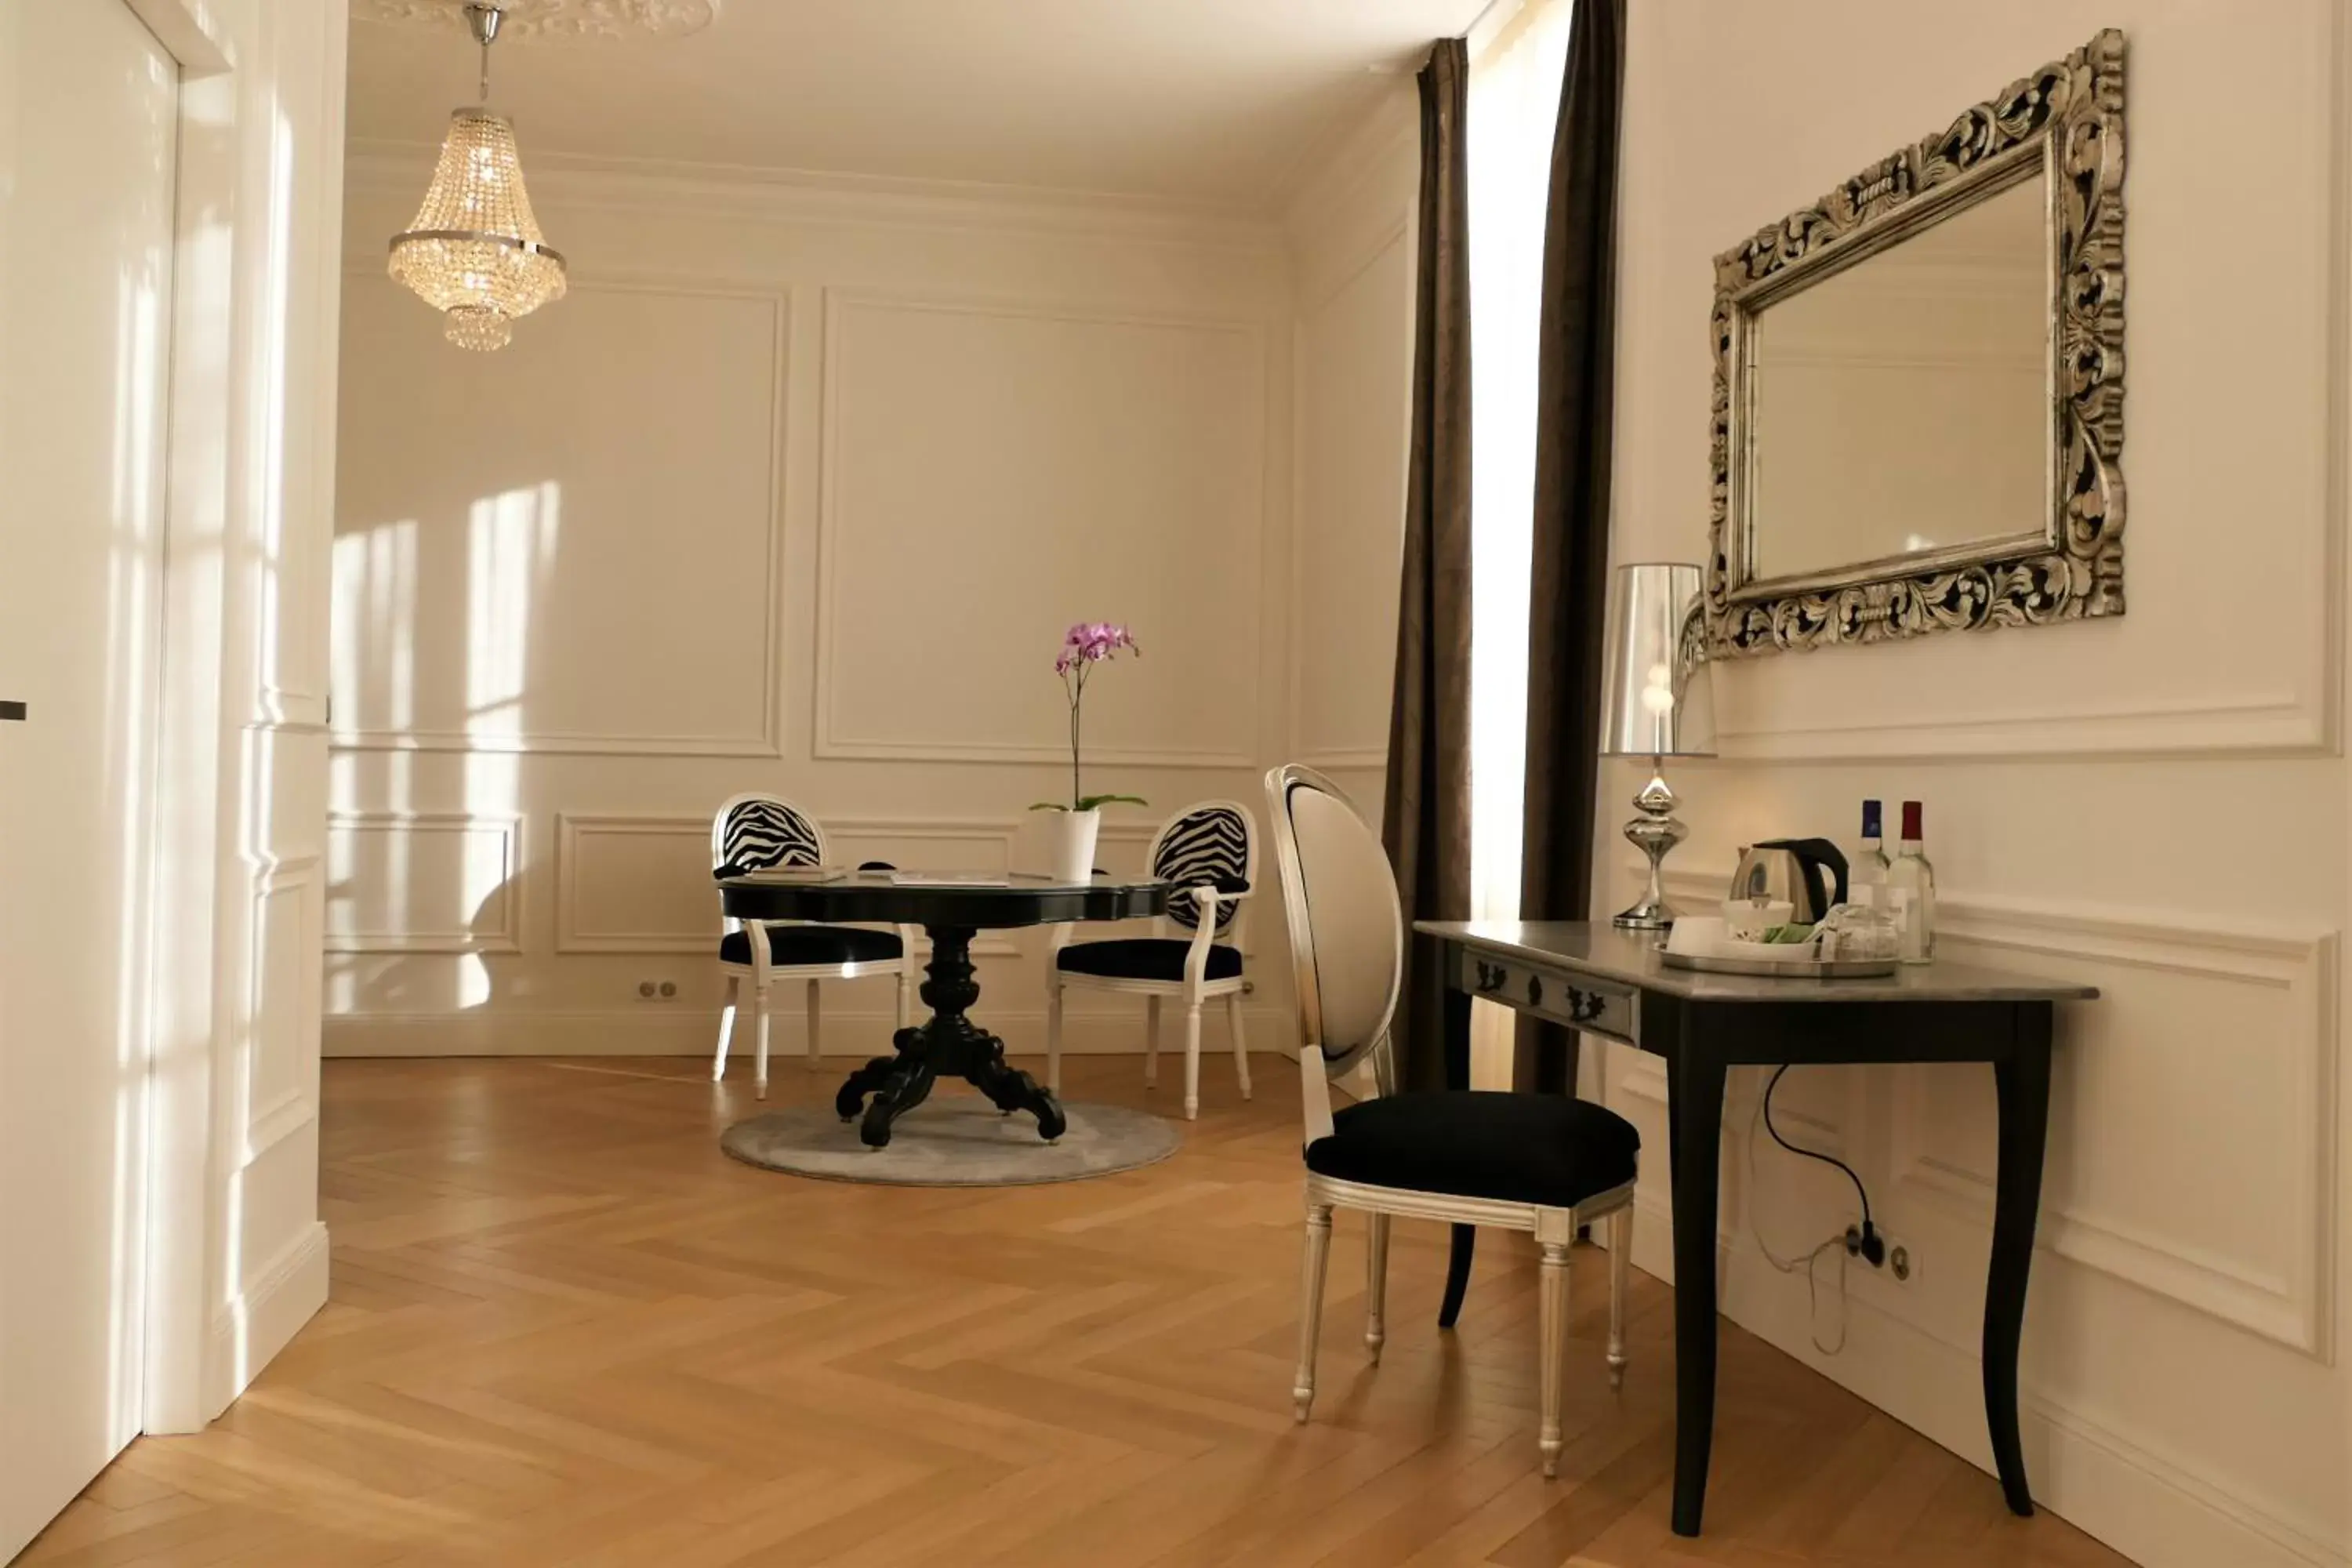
1515,82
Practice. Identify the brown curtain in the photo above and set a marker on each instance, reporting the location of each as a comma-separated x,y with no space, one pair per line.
1568,576
1425,814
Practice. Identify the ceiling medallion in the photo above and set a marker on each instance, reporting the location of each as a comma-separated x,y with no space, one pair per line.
560,20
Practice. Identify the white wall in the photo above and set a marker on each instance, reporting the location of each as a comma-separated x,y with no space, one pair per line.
2155,804
796,490
1352,237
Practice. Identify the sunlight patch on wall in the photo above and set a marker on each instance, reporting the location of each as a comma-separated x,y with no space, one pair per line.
512,540
374,608
133,559
511,543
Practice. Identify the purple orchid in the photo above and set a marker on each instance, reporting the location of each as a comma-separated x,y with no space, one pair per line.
1091,642
1084,646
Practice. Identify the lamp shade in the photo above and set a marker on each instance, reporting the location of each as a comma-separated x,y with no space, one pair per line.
1658,699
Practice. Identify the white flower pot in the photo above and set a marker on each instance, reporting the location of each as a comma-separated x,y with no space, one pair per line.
1069,839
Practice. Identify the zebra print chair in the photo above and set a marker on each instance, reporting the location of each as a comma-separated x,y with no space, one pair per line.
758,832
1210,852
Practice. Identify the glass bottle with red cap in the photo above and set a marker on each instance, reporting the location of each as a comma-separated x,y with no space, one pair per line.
1911,885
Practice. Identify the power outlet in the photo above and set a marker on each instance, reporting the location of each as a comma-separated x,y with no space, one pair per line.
1894,1255
656,990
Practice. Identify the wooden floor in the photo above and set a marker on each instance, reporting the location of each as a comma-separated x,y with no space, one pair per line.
565,1329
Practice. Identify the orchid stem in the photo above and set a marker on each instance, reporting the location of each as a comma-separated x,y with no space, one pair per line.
1077,700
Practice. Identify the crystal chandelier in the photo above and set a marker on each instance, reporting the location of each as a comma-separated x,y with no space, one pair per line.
473,250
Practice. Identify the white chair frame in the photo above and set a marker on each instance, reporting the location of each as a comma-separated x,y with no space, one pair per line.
1322,1060
1194,990
760,972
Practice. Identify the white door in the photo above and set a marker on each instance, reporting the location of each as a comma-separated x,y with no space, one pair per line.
87,118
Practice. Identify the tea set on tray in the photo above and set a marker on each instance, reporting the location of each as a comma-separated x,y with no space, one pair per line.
1798,908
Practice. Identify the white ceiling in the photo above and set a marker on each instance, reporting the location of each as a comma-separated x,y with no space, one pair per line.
1208,101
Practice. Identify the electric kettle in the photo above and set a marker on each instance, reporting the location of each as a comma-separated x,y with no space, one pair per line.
1790,870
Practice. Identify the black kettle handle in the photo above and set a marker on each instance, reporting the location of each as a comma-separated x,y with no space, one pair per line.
1814,853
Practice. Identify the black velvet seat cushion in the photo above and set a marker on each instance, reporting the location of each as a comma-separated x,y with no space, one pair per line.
1477,1143
1144,958
792,946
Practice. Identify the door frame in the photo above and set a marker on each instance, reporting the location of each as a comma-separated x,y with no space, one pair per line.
219,726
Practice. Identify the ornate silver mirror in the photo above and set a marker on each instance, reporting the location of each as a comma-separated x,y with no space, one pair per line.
1918,384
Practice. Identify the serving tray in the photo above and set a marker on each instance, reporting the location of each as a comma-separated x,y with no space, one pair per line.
1790,968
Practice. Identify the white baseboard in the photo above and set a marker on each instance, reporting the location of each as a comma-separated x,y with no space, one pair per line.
281,1295
2150,1509
655,1030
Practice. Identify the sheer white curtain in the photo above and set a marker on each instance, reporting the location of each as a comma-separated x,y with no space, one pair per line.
1515,84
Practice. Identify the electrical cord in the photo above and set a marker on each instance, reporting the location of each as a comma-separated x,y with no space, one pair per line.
1870,1242
1810,1261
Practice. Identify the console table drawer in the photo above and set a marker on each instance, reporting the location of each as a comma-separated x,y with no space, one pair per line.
1578,1001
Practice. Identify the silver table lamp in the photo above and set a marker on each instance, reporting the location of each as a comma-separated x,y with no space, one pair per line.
1659,703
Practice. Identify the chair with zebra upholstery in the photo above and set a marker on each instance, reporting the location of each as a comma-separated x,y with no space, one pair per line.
756,832
1195,954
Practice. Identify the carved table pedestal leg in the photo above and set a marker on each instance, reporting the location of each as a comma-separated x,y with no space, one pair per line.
949,1042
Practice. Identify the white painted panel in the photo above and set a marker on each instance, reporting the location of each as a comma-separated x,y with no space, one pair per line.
1355,361
89,105
942,845
422,882
994,473
2248,1238
567,545
634,884
281,1078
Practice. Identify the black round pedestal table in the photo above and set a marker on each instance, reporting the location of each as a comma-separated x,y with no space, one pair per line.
887,1087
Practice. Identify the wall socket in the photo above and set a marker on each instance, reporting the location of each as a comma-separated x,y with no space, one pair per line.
656,990
1895,1253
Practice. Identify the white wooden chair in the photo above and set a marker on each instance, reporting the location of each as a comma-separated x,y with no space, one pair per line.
1195,954
1545,1163
756,832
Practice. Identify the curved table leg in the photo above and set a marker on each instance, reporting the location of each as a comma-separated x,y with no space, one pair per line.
1695,1113
1455,1016
1013,1090
1458,1273
908,1085
2022,1086
867,1080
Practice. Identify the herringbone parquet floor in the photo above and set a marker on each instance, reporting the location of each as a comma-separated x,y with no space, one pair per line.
566,1330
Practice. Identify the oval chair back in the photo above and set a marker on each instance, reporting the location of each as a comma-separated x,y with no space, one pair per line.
756,831
1400,1156
1347,933
1211,842
759,832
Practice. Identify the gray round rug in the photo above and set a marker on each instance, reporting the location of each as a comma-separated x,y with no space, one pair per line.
953,1140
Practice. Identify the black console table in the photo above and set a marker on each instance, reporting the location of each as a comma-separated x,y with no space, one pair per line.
1603,980
887,1087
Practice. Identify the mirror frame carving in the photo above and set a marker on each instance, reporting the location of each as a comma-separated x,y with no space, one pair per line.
2064,124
